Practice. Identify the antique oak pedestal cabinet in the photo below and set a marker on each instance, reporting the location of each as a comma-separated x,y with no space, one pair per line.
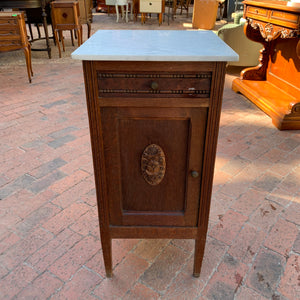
154,102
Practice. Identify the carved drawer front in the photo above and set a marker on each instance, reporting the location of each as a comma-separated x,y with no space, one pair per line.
284,18
254,12
154,85
7,22
151,6
9,43
153,164
10,38
9,33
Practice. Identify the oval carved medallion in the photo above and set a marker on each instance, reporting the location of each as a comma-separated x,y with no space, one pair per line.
153,164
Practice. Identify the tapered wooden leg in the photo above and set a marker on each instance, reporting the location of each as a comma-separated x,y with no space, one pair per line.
57,42
28,63
79,34
72,37
107,253
160,19
198,258
38,30
30,31
62,39
89,29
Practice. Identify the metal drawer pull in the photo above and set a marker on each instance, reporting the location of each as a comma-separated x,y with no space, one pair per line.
154,85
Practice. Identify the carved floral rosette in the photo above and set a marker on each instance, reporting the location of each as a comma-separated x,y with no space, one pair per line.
153,164
271,32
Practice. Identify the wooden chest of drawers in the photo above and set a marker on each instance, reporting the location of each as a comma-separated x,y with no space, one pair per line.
12,31
154,125
13,36
151,6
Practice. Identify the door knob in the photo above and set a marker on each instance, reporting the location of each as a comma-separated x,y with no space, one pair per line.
194,174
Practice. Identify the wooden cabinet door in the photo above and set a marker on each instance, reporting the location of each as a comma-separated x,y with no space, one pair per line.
153,164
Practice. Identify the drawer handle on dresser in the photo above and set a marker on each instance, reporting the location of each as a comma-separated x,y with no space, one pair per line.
194,174
154,85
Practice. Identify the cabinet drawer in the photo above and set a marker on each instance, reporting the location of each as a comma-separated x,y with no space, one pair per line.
150,6
253,11
154,85
4,31
8,22
9,44
284,18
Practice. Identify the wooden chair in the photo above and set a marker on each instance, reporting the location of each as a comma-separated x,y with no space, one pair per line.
13,36
65,16
183,4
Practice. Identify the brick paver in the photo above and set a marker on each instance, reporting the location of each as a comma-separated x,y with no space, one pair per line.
49,233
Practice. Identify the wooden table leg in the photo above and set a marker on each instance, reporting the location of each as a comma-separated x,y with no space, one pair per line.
160,18
107,253
198,257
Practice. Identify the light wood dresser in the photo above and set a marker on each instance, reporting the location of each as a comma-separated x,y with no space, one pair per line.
13,36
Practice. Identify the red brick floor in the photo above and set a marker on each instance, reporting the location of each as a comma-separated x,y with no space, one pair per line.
49,234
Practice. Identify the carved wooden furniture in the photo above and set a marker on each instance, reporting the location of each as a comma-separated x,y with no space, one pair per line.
26,4
13,36
65,16
154,102
274,85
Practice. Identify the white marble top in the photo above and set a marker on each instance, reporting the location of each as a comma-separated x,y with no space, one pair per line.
155,45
